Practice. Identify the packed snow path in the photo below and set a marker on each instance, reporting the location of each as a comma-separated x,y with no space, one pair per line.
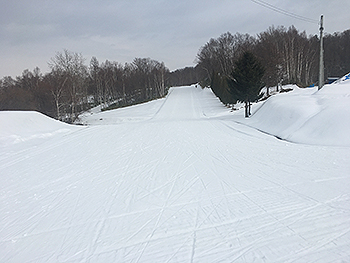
174,180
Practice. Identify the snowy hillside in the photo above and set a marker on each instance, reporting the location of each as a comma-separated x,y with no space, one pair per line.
27,125
174,180
21,130
308,116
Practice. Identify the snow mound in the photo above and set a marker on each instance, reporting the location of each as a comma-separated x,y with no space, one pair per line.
319,117
343,80
20,126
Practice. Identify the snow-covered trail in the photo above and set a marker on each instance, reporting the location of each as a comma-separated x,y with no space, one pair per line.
184,184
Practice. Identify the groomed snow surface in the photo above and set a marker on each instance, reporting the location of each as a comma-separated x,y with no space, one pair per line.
180,179
308,116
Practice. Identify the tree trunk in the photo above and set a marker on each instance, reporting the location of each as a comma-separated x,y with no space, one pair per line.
246,106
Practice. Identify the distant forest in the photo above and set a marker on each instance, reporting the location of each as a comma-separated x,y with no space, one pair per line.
71,87
289,56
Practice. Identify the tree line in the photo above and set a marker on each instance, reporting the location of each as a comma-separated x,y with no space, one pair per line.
72,87
287,57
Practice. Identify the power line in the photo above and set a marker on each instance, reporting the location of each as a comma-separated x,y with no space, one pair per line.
284,12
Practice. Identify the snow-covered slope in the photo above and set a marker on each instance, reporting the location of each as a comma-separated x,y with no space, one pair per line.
175,180
320,117
26,125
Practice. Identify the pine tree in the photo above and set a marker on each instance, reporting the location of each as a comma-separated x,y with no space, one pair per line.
219,86
245,81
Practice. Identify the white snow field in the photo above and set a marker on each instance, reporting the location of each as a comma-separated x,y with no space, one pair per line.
176,180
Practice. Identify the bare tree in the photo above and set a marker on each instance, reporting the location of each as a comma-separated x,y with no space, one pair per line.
219,55
70,66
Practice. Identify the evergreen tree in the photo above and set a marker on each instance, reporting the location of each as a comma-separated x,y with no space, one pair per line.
245,81
219,86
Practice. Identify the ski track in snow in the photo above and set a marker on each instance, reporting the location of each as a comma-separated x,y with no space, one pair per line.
185,183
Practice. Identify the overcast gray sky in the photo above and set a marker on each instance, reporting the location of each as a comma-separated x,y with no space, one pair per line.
32,31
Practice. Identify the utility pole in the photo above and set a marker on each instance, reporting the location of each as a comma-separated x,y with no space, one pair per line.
321,72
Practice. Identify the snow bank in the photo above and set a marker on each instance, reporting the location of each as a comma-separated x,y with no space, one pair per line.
308,116
20,126
135,113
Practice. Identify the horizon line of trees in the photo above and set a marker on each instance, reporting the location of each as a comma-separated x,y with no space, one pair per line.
71,87
288,56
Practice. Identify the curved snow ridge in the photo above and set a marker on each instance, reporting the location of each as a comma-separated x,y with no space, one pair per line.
18,139
321,118
338,89
20,126
280,117
344,80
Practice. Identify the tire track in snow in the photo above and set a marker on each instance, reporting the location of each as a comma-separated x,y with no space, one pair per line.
201,184
195,235
161,212
316,248
248,248
157,222
238,253
45,146
177,175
